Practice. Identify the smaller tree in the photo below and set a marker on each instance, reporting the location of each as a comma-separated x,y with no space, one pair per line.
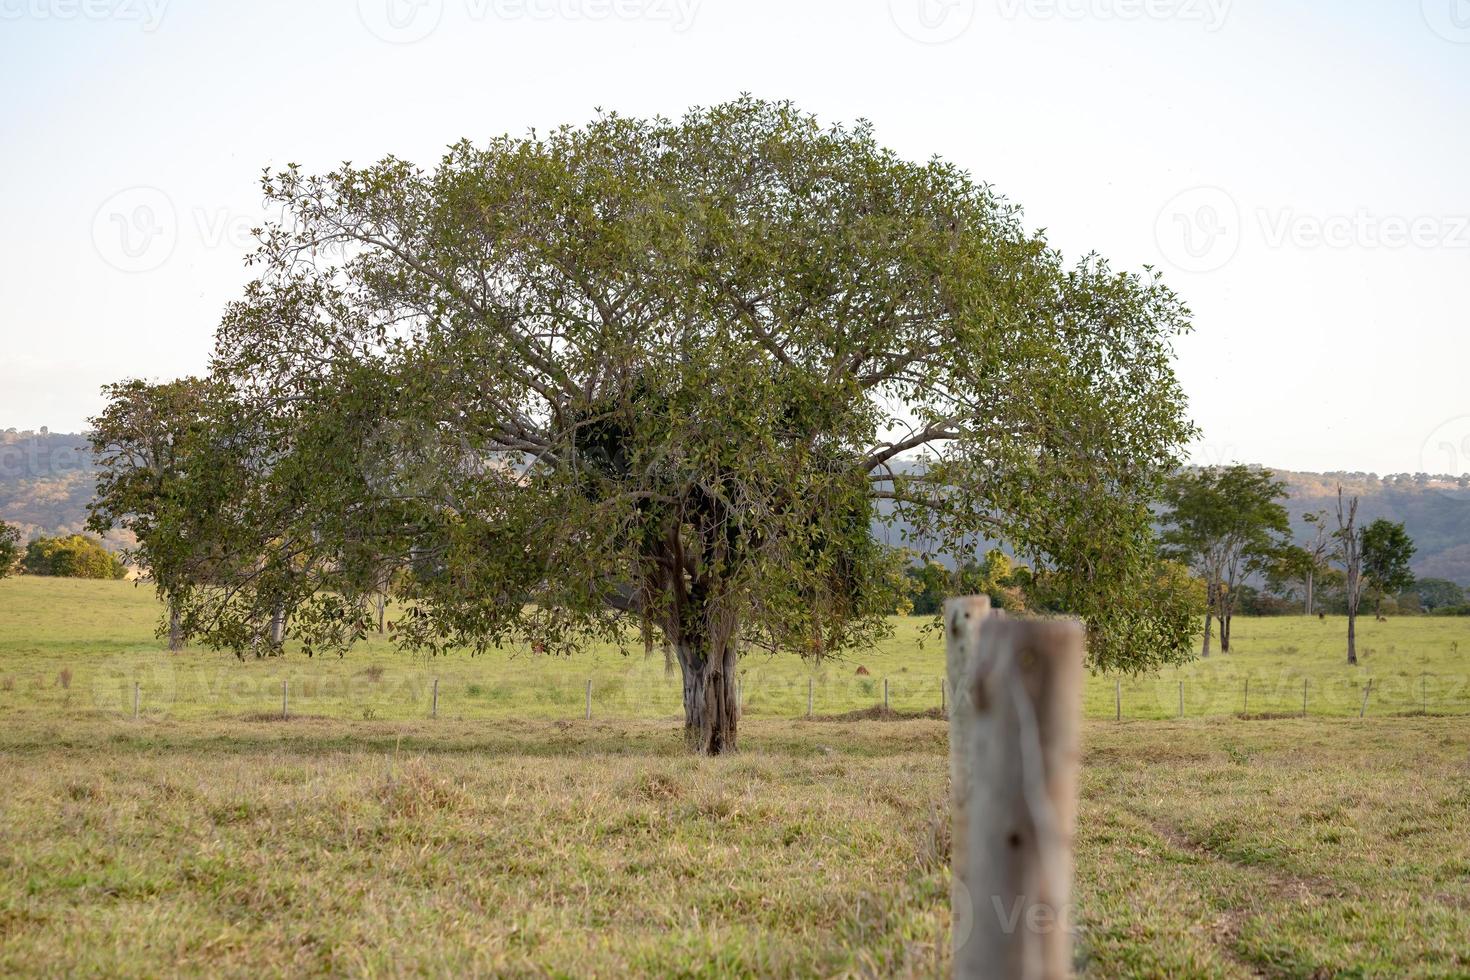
1350,553
9,548
1225,523
1387,551
73,556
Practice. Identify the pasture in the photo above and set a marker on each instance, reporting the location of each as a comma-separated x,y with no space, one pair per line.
510,836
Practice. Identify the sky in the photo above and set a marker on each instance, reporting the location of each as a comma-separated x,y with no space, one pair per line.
1296,170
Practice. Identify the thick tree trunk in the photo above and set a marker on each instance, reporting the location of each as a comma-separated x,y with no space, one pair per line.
711,710
1309,593
278,627
1209,617
382,612
1225,617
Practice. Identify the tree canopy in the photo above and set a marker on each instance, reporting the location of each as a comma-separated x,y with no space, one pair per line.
72,556
667,370
10,550
1226,523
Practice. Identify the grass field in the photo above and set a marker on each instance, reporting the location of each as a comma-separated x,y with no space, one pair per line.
98,638
510,837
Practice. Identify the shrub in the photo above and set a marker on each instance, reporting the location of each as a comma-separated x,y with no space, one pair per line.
74,556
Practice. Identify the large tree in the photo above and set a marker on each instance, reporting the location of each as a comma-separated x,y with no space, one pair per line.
1225,523
669,371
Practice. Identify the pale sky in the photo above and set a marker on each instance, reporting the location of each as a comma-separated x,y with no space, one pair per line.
1298,171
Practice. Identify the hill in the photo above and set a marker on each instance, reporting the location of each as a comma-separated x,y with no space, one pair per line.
47,478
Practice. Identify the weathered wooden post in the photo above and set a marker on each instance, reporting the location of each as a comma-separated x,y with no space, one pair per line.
589,699
1304,697
1118,700
808,697
434,706
885,695
1181,699
284,686
135,700
1015,719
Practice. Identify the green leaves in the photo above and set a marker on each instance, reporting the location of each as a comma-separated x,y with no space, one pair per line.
665,369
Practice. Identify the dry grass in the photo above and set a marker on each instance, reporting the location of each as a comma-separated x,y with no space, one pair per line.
319,846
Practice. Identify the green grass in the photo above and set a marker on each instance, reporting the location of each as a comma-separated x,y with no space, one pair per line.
102,633
510,837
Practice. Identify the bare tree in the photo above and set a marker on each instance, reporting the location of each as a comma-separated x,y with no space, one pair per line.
1350,553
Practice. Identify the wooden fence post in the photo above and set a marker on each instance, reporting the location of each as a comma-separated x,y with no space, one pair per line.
1304,697
1015,718
434,707
284,686
589,699
1181,699
1118,699
885,694
943,707
135,700
808,697
1246,707
1366,688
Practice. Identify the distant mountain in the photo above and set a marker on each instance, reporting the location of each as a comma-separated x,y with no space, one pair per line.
1434,510
46,481
47,478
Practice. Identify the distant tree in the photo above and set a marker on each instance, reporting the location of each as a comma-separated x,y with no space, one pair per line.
1387,552
1350,554
1438,593
1225,523
73,556
10,550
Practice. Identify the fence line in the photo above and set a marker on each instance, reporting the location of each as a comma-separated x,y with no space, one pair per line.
1141,699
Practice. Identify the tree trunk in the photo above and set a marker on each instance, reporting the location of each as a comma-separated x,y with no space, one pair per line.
1209,617
1352,636
1226,615
382,612
175,629
1309,593
278,627
711,711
